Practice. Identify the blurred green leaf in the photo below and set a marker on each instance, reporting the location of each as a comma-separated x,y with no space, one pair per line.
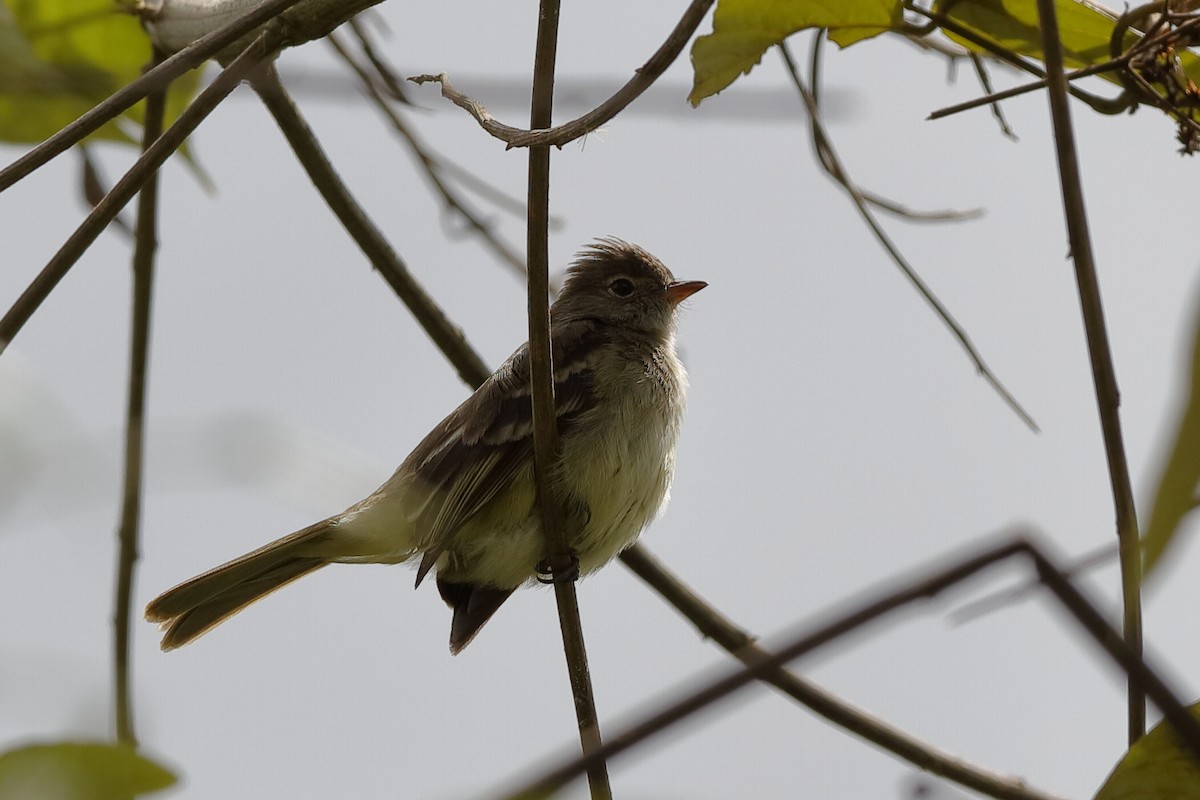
744,29
58,58
79,771
1176,494
1155,768
1084,28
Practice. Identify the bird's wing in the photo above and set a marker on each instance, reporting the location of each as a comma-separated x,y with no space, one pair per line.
475,453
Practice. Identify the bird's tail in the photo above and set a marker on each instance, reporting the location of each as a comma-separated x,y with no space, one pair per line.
196,605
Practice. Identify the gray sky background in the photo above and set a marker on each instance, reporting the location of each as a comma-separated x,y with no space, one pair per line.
837,437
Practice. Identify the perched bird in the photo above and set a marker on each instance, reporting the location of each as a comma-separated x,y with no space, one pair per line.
463,503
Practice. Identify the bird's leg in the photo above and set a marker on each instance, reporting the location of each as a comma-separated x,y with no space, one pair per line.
564,568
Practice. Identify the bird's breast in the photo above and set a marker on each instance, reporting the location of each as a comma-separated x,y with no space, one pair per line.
621,465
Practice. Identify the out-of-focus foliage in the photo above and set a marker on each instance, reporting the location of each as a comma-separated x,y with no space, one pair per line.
1083,28
1176,495
1155,768
79,771
58,58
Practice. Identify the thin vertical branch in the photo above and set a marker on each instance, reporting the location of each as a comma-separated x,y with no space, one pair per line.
145,245
546,443
1108,397
147,164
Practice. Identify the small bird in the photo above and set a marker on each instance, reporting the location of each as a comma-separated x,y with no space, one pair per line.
463,504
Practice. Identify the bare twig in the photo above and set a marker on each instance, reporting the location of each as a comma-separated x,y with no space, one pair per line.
992,98
741,645
95,186
985,80
392,82
834,171
1158,36
557,137
1103,372
974,609
430,165
835,168
124,98
147,164
367,236
493,194
1186,727
560,561
146,243
1103,105
919,215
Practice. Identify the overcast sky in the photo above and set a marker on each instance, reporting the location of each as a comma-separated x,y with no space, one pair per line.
836,440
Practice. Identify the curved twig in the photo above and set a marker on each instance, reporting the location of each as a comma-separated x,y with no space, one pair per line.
834,167
430,165
558,136
828,160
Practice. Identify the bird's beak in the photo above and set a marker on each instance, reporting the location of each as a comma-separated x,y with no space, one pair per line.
681,290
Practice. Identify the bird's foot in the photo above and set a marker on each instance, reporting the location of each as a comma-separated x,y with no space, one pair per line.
559,569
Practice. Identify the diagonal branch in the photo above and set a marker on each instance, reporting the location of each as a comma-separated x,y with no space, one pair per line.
430,165
447,336
741,645
1185,726
993,98
642,79
263,47
384,73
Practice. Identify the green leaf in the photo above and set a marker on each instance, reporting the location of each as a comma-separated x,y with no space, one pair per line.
79,771
1085,29
1176,494
744,29
1155,768
58,58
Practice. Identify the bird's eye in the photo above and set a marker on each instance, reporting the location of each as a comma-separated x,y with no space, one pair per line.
621,287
